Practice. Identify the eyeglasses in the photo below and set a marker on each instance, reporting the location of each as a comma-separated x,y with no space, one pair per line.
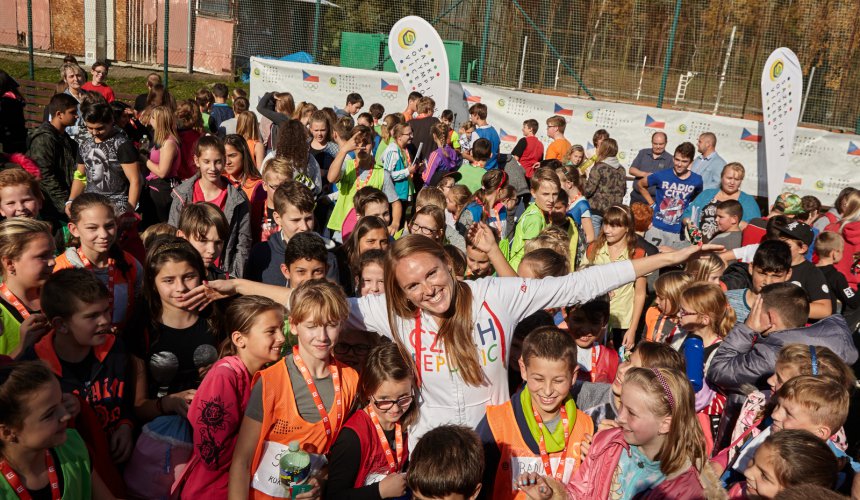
386,404
682,313
410,134
415,228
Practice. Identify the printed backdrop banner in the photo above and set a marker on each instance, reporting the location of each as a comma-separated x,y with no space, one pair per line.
781,88
822,162
420,58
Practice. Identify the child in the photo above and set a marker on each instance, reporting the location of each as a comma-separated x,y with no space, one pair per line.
575,157
472,171
661,322
771,264
220,110
170,343
658,451
100,73
617,241
456,199
430,195
709,267
205,227
277,172
51,148
211,186
529,150
544,190
93,223
799,237
483,130
107,161
249,129
587,324
242,174
397,161
447,463
370,454
676,188
577,206
411,105
370,202
255,326
353,105
305,258
385,137
539,429
486,205
729,215
20,194
371,275
204,100
352,172
555,126
38,448
310,389
428,220
377,111
830,249
26,260
465,132
707,318
453,139
442,159
370,233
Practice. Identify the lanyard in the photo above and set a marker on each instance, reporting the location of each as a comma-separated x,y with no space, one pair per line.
595,353
111,276
394,462
417,342
544,456
15,482
338,395
13,300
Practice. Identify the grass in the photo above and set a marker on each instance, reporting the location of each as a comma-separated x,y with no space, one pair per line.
123,79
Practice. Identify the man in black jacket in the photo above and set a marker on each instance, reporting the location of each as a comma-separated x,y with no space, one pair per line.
54,151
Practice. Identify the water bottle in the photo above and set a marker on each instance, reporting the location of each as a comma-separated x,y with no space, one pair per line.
295,470
145,145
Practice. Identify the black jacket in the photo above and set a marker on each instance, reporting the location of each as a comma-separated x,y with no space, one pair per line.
55,153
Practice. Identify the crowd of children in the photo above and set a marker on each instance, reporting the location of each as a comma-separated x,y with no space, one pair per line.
189,295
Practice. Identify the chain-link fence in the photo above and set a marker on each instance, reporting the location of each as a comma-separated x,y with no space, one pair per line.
608,49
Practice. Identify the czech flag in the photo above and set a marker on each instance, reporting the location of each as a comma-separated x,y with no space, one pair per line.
388,87
652,123
853,150
559,110
469,97
748,136
506,137
307,77
792,180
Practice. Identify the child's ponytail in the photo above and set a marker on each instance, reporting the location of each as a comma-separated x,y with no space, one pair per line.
671,394
491,182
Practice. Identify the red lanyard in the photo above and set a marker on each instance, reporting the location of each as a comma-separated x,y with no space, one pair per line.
13,300
338,395
394,463
595,353
111,277
15,482
544,456
417,343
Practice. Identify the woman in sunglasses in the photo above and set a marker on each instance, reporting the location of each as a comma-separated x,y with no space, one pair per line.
369,455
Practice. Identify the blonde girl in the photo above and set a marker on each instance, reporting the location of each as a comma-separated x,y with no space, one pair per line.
397,161
248,127
255,328
661,322
363,460
386,129
658,450
577,206
575,156
708,267
617,241
707,318
26,261
316,406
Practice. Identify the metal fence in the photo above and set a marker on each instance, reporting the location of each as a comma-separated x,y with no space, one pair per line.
702,55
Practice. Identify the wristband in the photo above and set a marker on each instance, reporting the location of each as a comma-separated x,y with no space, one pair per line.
80,176
69,202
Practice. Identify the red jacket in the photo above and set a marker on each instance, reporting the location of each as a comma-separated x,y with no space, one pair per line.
851,234
604,370
594,477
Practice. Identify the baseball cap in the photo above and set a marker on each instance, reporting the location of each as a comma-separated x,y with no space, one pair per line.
789,203
795,230
452,174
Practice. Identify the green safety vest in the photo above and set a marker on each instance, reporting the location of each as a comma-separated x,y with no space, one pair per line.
346,190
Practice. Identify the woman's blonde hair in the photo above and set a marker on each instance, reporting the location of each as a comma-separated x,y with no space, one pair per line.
608,148
387,126
320,301
685,441
247,125
851,210
737,167
702,268
163,123
284,103
709,299
669,286
241,315
16,233
455,330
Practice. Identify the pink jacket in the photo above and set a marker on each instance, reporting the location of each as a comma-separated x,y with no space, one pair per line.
592,480
215,415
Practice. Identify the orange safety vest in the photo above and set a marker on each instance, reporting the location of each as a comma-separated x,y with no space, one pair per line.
282,424
63,262
515,456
